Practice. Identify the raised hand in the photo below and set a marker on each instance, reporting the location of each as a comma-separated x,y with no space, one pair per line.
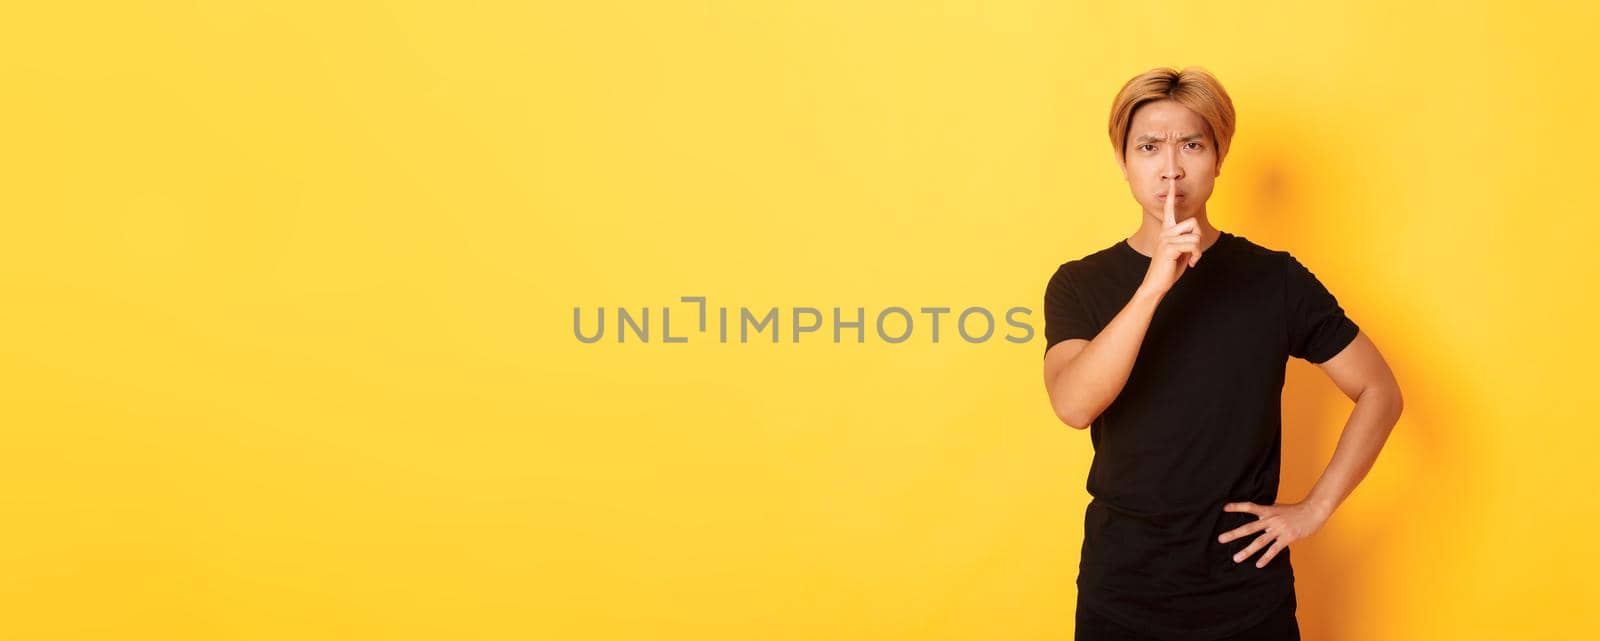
1179,246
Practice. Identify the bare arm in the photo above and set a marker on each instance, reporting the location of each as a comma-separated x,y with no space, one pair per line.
1083,377
1362,374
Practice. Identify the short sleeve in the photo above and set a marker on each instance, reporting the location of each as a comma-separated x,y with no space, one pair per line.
1318,327
1065,315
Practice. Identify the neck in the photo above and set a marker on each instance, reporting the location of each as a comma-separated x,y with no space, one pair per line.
1150,226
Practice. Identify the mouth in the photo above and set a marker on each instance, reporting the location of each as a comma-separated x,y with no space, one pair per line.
1164,196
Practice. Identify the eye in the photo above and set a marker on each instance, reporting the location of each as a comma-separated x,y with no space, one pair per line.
1142,147
1196,145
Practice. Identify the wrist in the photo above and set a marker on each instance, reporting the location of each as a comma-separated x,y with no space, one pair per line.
1322,506
1149,292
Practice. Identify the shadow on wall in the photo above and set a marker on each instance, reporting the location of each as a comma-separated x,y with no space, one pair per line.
1379,534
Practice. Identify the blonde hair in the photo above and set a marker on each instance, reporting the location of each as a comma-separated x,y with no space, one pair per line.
1193,87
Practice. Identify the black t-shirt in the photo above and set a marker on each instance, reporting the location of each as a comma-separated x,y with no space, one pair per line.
1197,425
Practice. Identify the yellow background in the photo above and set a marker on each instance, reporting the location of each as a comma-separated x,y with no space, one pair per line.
288,348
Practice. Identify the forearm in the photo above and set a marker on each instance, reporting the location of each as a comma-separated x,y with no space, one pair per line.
1091,380
1376,412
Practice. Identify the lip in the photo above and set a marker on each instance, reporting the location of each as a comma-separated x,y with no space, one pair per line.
1164,196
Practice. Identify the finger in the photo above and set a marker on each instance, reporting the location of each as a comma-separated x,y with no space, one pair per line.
1188,246
1277,546
1254,547
1242,531
1243,507
1184,250
1182,238
1185,227
1172,197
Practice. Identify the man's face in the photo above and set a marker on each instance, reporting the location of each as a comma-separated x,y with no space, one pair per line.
1167,142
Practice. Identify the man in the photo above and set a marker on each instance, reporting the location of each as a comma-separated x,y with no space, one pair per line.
1171,346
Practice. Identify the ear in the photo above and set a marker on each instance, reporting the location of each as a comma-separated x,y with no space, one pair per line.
1122,164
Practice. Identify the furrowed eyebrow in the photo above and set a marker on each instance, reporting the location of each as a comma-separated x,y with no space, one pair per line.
1154,138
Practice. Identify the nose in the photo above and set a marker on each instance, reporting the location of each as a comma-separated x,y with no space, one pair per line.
1172,171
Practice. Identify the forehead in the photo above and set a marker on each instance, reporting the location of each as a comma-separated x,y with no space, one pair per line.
1162,116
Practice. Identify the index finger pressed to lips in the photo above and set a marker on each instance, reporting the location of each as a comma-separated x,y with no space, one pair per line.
1172,197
